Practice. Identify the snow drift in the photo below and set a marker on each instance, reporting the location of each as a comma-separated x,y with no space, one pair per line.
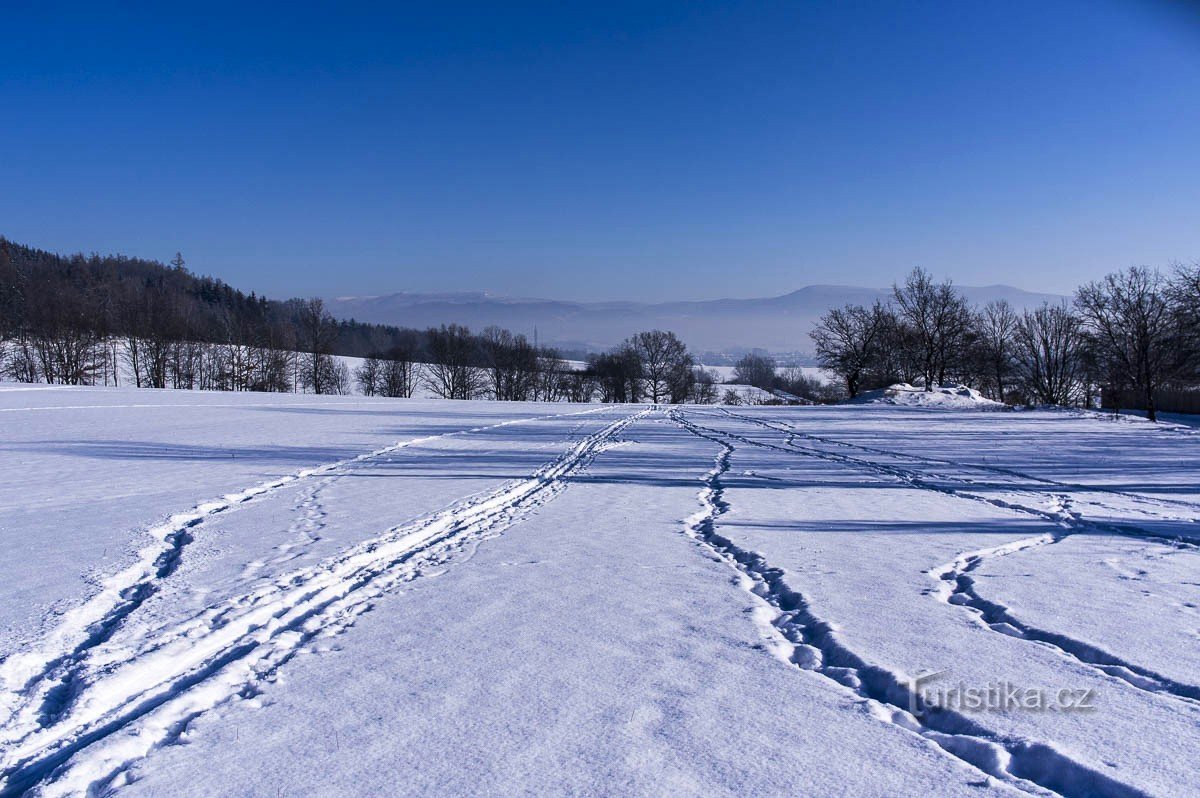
945,396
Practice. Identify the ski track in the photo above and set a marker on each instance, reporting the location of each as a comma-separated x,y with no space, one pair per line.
41,682
956,585
77,729
132,706
807,642
310,515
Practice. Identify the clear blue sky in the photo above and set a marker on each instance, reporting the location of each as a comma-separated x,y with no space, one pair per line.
638,150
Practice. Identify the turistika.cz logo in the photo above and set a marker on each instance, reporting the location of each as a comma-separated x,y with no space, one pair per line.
928,692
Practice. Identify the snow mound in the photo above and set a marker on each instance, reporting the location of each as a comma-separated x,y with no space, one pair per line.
945,396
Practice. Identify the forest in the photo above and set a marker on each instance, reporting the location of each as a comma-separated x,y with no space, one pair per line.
85,320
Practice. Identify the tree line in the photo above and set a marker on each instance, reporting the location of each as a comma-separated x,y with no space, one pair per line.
498,364
84,320
88,319
1126,336
100,319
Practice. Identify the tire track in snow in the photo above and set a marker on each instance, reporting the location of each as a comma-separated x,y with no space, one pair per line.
41,682
810,643
957,586
129,709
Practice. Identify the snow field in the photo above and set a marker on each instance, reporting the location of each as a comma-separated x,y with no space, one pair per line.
478,597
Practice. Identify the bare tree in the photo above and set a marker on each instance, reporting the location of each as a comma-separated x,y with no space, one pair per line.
1135,329
369,375
399,375
319,372
512,364
63,334
580,385
20,359
756,370
663,356
339,378
848,342
995,326
550,382
618,374
1184,294
453,372
704,386
1050,344
681,379
939,320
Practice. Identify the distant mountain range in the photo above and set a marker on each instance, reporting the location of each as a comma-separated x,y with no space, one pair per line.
776,324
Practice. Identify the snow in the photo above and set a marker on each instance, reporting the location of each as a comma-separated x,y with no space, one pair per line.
247,594
727,373
945,396
746,394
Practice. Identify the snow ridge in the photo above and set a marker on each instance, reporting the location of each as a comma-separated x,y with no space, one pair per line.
140,700
1033,767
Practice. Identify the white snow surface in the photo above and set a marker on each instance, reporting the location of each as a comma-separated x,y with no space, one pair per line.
248,594
944,396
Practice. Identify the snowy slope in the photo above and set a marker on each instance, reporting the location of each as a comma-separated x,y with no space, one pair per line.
261,595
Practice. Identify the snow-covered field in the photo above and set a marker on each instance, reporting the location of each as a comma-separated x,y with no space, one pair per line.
237,594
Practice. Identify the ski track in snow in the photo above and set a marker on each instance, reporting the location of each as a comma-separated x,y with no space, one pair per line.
955,585
81,715
146,699
42,684
310,516
810,643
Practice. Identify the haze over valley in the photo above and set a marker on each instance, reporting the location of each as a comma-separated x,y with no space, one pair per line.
776,324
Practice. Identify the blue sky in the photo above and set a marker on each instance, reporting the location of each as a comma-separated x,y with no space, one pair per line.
639,150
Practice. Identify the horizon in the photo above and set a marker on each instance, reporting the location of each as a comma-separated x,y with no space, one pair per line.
488,294
616,153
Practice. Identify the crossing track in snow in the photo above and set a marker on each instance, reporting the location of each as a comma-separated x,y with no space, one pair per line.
955,584
128,706
1159,502
1063,514
806,641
